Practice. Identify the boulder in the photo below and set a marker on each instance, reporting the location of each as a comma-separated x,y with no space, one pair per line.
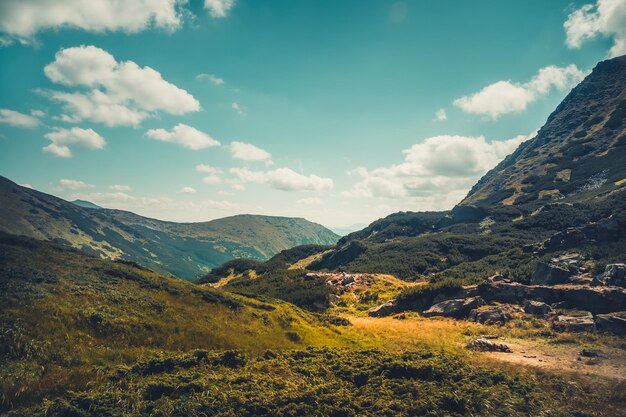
383,310
537,308
550,274
612,323
498,315
582,322
485,345
455,308
607,230
614,274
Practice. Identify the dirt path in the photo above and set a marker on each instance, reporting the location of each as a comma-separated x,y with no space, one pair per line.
417,332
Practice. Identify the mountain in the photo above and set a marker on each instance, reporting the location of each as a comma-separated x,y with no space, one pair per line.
578,154
186,250
86,204
563,189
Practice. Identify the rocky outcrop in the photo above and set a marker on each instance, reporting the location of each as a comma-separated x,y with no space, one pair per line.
614,274
537,308
612,323
496,315
455,308
383,310
486,345
582,322
550,274
597,300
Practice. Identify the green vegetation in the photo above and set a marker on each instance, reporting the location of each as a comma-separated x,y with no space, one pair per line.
321,382
291,285
65,318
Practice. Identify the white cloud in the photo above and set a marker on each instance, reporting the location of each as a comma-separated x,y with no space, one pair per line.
213,79
63,138
188,190
27,186
185,136
218,8
284,179
118,187
443,167
212,179
440,115
310,201
505,97
248,152
23,19
17,119
207,169
74,184
240,111
606,18
119,93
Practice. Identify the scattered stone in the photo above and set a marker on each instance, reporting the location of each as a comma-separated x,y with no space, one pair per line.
590,353
484,345
550,274
400,316
537,308
612,322
383,310
582,322
455,308
497,315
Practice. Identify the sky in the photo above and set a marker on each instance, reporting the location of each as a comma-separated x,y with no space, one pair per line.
340,112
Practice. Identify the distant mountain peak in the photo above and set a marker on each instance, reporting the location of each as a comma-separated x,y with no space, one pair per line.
86,204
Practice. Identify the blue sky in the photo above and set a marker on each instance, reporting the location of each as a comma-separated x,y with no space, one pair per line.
338,111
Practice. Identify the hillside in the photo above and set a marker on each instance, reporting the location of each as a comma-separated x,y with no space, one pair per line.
66,317
186,250
572,175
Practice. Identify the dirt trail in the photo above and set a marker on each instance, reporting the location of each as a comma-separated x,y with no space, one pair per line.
416,332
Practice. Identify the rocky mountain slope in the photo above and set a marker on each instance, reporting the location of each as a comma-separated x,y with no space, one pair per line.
563,189
186,250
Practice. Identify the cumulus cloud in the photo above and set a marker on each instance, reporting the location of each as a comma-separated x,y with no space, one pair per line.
185,136
443,167
17,119
188,190
207,169
605,18
62,139
505,97
248,152
118,187
236,107
74,184
440,115
23,19
284,179
218,8
118,93
213,79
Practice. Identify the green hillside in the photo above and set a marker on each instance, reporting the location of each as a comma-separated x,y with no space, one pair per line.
185,250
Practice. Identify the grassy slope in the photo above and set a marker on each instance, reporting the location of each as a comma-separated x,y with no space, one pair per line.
67,318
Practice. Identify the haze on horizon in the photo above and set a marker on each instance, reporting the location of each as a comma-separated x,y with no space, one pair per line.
338,112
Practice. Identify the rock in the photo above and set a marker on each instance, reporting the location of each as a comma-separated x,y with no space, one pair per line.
400,316
612,322
582,322
468,214
537,308
444,222
550,274
590,353
383,310
614,274
597,300
454,308
485,345
498,315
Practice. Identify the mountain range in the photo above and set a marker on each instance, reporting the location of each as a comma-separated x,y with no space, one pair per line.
185,250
